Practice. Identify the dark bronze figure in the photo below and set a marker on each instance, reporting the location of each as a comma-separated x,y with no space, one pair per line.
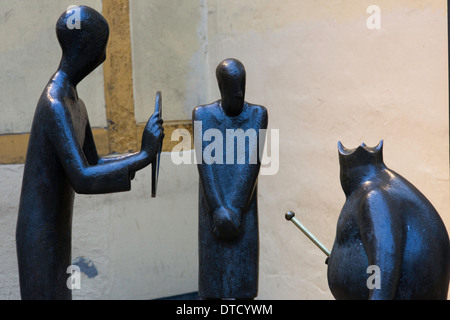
156,161
62,159
389,225
228,211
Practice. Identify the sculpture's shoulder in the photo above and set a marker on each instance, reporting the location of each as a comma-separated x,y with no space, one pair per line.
59,101
387,187
261,110
206,111
49,105
257,107
53,97
405,192
260,113
389,183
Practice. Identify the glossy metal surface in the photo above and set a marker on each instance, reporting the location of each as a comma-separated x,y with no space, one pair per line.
386,222
290,216
156,161
62,159
228,206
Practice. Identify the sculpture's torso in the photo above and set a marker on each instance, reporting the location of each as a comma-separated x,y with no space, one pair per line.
45,211
229,269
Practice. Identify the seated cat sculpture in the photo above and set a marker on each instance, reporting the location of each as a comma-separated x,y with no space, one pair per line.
390,226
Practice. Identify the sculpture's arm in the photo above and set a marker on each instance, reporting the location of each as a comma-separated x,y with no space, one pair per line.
226,222
246,185
206,175
90,150
210,190
381,233
87,178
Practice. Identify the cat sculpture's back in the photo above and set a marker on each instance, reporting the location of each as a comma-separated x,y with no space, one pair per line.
388,224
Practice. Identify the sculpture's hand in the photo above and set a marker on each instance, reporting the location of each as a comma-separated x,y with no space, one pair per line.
226,223
153,136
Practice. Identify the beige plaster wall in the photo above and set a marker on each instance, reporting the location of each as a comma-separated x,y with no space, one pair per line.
169,54
29,55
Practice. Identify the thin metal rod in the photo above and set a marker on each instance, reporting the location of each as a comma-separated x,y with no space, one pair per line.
290,216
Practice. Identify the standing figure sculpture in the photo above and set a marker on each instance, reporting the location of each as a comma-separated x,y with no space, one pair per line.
387,231
62,159
228,208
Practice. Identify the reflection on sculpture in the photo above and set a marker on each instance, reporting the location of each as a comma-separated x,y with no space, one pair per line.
228,211
386,223
62,158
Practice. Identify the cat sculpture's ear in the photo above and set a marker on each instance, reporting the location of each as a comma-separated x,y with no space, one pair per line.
363,155
379,147
345,152
341,148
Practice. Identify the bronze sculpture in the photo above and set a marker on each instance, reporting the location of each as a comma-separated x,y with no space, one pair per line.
387,226
62,159
228,210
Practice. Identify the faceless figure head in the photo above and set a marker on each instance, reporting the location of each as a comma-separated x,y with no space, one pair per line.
83,35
